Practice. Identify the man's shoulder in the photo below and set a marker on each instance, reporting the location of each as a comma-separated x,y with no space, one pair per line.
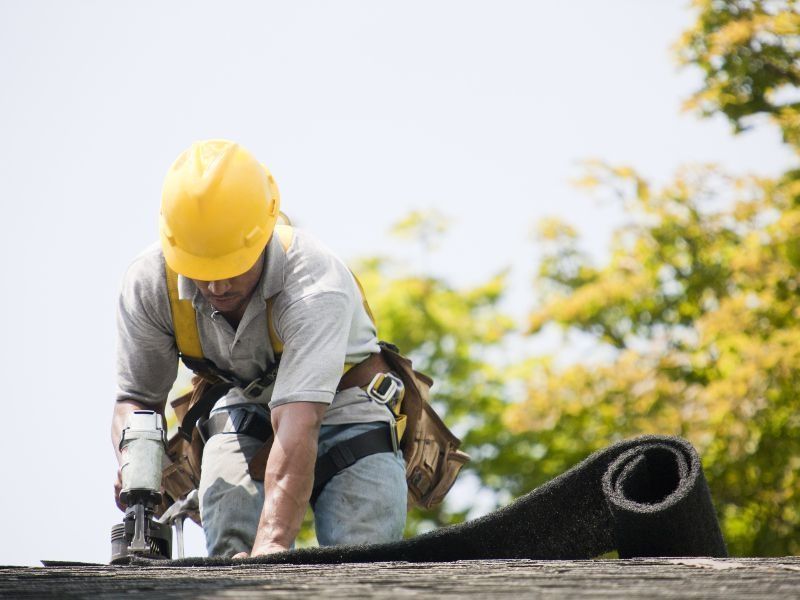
148,265
314,266
145,276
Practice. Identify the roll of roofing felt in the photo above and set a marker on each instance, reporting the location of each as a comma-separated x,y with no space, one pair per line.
659,500
643,497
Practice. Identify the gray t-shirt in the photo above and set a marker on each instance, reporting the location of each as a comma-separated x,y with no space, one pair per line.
318,313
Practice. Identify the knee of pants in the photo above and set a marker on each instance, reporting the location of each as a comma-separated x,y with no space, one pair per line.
230,501
365,503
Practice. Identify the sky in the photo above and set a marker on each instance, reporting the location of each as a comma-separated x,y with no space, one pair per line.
364,110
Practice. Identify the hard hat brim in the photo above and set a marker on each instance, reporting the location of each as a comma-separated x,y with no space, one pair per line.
205,268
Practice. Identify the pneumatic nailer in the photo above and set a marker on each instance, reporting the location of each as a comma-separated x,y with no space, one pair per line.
140,533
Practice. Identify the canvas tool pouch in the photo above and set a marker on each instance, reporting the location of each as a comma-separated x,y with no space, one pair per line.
430,449
182,473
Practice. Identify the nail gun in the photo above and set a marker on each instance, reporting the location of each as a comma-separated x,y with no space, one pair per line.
140,534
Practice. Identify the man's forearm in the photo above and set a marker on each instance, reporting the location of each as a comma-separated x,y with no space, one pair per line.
289,475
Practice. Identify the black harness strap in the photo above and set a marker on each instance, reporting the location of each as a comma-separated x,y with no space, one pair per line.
346,453
201,408
205,366
225,382
244,422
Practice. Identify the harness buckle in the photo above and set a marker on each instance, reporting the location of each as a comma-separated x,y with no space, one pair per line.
257,387
226,379
254,389
386,389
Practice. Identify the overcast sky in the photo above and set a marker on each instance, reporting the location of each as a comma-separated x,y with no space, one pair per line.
363,110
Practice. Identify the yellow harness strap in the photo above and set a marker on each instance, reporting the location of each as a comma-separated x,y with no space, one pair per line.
184,320
285,236
364,300
274,340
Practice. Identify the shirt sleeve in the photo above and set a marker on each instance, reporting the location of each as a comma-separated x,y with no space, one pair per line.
147,357
314,330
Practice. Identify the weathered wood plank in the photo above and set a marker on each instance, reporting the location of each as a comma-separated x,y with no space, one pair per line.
636,578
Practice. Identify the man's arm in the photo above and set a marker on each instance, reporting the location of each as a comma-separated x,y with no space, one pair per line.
315,332
147,357
289,475
122,409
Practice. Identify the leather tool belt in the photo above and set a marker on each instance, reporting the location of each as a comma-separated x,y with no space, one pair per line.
429,448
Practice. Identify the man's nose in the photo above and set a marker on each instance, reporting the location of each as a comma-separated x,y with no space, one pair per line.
219,287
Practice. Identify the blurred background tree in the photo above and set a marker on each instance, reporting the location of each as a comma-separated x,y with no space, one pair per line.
748,52
694,316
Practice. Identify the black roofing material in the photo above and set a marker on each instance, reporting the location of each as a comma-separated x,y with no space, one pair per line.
644,497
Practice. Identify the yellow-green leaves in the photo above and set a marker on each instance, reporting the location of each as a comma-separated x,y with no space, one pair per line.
699,304
747,49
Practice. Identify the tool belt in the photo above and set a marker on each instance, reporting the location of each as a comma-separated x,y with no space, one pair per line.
429,449
336,459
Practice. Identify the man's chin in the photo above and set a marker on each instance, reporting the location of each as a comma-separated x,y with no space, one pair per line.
226,306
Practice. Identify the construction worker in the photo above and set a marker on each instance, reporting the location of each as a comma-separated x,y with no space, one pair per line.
218,234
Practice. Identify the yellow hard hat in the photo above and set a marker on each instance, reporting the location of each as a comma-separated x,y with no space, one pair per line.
218,211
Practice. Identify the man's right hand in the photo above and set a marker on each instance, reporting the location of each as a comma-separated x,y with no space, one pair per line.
118,490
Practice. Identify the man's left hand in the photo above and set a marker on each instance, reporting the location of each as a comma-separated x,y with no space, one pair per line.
262,551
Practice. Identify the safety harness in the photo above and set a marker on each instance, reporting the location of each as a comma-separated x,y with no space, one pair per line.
372,375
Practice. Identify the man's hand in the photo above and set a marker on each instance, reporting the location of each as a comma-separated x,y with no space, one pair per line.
262,551
289,476
118,490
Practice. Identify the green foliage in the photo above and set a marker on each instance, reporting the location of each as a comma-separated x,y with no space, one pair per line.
697,307
749,52
425,227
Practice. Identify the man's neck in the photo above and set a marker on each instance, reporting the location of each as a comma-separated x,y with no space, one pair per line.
234,317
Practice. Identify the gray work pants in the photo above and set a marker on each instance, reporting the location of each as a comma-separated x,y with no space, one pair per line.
364,503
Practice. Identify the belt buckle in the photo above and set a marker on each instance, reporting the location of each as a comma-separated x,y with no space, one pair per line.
384,393
200,427
393,434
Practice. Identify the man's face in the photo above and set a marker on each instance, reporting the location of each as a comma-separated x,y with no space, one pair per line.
231,295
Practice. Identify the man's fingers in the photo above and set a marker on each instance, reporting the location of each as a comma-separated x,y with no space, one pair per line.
117,490
241,555
265,549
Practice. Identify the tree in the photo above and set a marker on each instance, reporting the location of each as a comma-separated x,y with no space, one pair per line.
696,311
696,308
748,52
